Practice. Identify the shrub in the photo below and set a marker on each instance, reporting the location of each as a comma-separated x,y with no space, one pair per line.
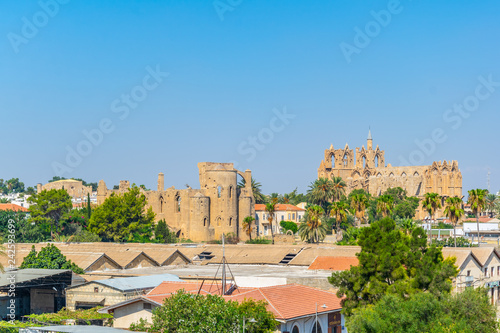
289,225
259,240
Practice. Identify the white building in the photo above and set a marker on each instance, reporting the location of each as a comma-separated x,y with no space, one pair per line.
283,212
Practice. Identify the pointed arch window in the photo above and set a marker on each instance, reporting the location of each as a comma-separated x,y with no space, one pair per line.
178,204
219,191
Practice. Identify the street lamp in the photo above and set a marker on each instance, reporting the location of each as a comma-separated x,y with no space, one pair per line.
316,323
251,320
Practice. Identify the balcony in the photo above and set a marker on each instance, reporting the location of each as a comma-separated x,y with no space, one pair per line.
469,279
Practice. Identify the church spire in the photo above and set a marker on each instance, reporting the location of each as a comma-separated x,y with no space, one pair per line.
369,142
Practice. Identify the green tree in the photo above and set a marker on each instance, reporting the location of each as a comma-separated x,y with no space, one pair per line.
122,217
30,190
163,234
247,225
184,312
469,311
391,262
453,209
49,206
313,230
385,205
49,257
431,203
256,189
270,210
359,203
490,202
339,210
477,203
338,188
321,193
289,225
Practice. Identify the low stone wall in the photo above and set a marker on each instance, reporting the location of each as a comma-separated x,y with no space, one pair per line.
284,239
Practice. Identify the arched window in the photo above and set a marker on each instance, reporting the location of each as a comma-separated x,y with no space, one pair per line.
204,221
161,204
230,221
316,328
345,161
376,161
218,219
230,192
219,191
333,161
295,329
364,162
178,201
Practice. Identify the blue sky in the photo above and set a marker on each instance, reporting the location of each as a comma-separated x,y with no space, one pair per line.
67,67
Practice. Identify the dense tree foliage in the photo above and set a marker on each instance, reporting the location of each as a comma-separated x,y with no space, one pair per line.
289,225
12,185
49,257
248,222
163,234
256,189
122,218
469,311
50,206
184,312
392,262
313,230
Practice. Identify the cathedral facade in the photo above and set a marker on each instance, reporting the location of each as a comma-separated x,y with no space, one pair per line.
365,168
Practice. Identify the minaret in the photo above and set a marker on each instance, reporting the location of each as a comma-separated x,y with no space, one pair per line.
369,142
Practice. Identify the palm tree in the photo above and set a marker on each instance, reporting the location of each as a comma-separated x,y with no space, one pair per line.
431,203
359,203
385,205
247,225
270,209
312,229
339,211
338,188
490,203
454,211
477,202
321,192
257,193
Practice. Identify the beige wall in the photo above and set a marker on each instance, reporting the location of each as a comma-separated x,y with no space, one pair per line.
111,296
74,188
131,313
200,214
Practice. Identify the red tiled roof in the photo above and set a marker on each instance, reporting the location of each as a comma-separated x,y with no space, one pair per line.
291,300
481,219
279,207
14,207
334,263
285,301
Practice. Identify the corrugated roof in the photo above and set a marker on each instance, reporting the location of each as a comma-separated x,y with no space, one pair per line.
138,282
29,274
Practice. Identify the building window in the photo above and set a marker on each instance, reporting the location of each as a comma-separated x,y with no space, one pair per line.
146,306
178,203
230,221
486,271
282,217
219,191
295,329
468,272
492,271
289,216
205,222
293,216
230,192
96,289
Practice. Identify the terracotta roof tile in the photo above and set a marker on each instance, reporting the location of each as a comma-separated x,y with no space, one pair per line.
334,263
14,207
279,207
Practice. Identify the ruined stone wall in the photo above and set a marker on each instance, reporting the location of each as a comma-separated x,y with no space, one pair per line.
75,188
200,214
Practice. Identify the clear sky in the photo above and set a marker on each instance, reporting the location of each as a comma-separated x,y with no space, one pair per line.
159,86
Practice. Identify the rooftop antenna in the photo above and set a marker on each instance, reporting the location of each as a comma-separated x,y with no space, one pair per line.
224,278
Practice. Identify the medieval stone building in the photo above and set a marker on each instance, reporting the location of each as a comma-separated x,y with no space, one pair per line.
365,168
204,214
75,188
